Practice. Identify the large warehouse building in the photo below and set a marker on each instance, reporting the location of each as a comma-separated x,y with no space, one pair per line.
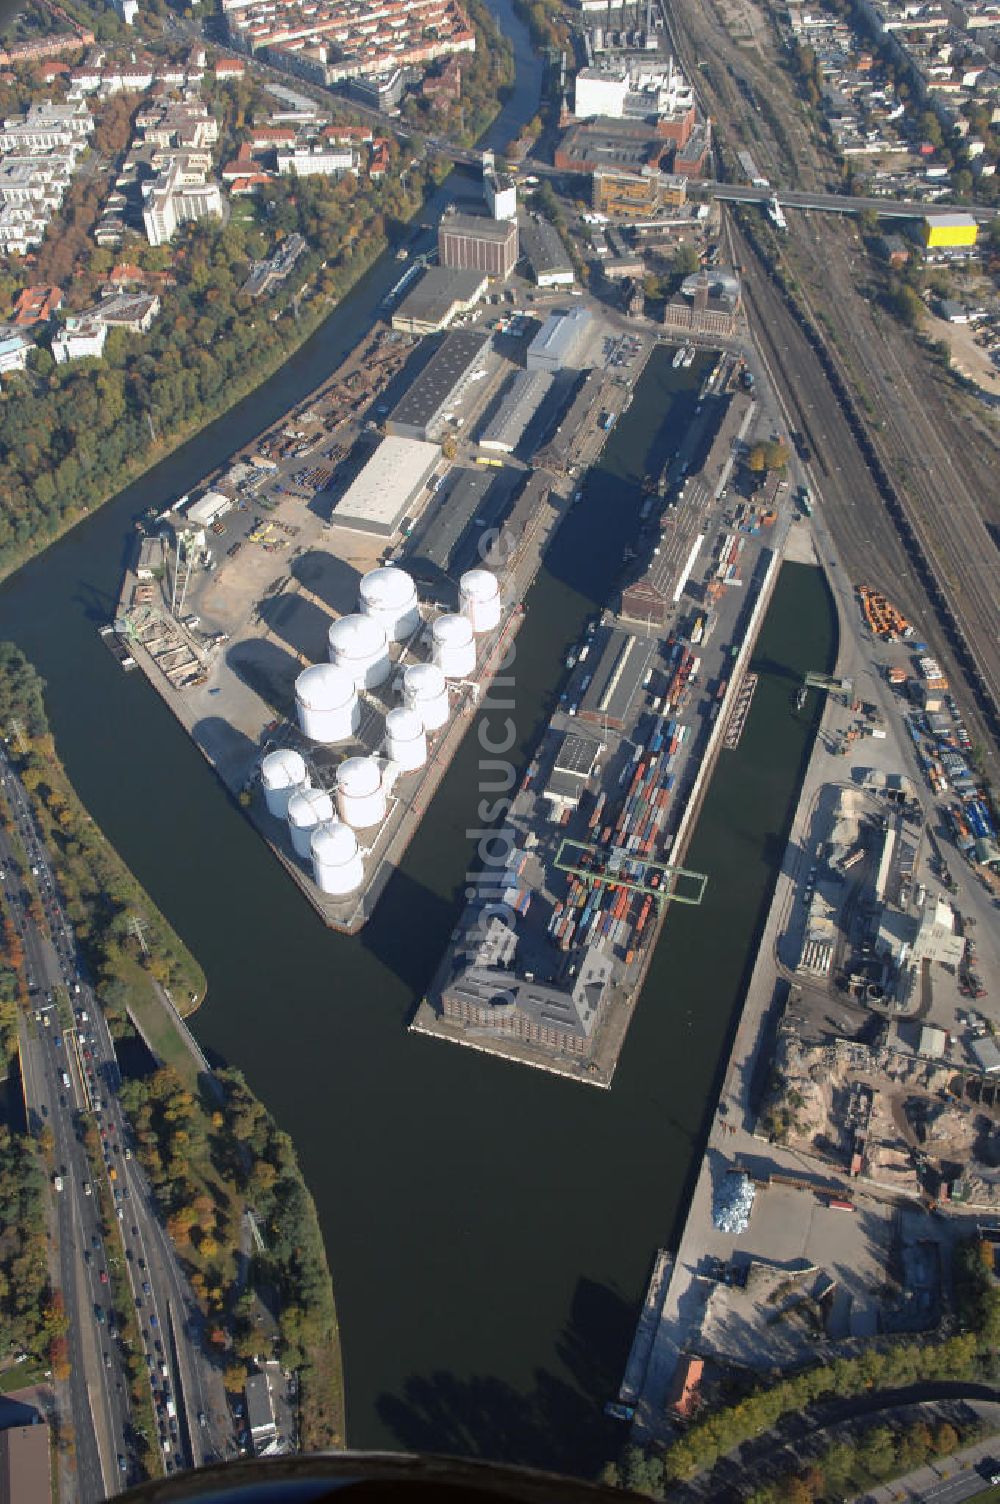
388,487
525,396
419,414
434,549
438,298
559,338
471,242
950,231
623,669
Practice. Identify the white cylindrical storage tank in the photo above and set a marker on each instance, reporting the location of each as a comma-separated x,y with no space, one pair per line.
426,692
360,799
359,645
327,703
454,646
305,811
388,595
337,864
479,593
283,773
406,739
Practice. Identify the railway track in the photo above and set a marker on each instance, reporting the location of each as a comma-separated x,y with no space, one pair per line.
870,536
935,494
909,473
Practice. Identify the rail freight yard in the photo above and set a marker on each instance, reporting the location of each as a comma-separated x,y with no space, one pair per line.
326,611
548,958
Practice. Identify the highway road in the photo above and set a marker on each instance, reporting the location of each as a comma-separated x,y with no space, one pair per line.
193,1422
98,1396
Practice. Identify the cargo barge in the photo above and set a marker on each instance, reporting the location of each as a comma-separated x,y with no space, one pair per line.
740,712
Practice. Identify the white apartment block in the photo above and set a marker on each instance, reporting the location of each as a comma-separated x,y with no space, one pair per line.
328,161
21,229
47,126
31,191
171,200
80,338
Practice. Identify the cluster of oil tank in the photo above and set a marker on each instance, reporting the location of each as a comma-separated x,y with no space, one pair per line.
328,705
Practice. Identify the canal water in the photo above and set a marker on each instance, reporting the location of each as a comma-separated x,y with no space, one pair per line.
489,1228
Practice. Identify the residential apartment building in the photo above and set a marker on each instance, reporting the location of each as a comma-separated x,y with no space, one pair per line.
171,200
330,41
38,153
45,127
312,161
81,338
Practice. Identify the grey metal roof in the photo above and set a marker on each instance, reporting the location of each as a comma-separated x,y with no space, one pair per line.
559,335
437,292
435,543
577,754
618,676
260,1414
480,226
543,246
522,400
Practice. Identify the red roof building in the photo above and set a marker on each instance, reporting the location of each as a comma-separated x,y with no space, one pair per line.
36,305
54,68
126,275
241,164
265,136
685,1390
229,67
243,187
347,134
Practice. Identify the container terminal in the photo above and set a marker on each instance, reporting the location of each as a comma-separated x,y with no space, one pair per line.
327,609
548,958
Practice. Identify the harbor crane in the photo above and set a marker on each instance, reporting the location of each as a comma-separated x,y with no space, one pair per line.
614,867
826,684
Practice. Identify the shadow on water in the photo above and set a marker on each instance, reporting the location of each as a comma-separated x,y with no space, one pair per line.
588,550
407,911
557,1425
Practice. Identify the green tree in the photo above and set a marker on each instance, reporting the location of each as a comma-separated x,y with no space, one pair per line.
906,305
685,261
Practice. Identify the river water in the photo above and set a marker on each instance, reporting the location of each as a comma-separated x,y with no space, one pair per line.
489,1228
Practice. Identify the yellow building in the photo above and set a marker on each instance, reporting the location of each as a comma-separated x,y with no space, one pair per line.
949,231
618,192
